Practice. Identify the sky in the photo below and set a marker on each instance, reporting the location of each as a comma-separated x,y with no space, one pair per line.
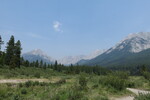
72,27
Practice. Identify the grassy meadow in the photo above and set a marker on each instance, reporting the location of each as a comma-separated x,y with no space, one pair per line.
61,86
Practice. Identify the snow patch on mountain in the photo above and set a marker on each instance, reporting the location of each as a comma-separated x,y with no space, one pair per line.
137,42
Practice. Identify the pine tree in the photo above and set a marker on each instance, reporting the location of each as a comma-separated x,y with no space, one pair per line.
45,65
2,54
37,63
41,63
33,64
22,61
56,65
27,64
10,51
1,42
17,53
12,63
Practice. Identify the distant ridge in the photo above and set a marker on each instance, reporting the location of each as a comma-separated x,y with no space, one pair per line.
39,55
74,59
131,51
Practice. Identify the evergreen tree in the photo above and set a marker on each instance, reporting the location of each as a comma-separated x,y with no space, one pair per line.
1,42
2,54
27,63
56,65
17,53
33,64
41,63
37,63
45,65
49,66
22,61
143,69
10,51
12,63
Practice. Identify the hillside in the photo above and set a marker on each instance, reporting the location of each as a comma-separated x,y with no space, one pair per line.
132,51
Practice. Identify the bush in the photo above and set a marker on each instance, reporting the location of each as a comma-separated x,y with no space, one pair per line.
131,84
17,97
95,86
113,81
36,83
142,97
28,83
82,82
43,84
20,85
75,95
23,91
146,75
37,75
120,74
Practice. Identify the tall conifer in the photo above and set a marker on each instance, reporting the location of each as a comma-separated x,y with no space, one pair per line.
17,53
10,51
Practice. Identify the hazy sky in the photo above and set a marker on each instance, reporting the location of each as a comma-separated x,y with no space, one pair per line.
72,27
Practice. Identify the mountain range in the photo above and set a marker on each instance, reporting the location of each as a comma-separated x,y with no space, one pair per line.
133,50
39,55
74,59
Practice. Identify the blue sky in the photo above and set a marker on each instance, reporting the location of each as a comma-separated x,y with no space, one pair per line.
72,27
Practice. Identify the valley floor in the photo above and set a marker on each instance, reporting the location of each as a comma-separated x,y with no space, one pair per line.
17,81
47,84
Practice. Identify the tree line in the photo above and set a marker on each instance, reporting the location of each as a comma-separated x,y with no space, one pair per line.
12,55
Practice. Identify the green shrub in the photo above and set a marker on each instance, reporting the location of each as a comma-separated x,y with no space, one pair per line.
82,82
120,74
75,95
43,84
146,75
20,85
95,86
23,91
131,84
37,75
17,97
28,83
113,81
9,75
36,83
142,97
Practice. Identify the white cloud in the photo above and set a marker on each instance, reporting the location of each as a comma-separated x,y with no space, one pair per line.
57,26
